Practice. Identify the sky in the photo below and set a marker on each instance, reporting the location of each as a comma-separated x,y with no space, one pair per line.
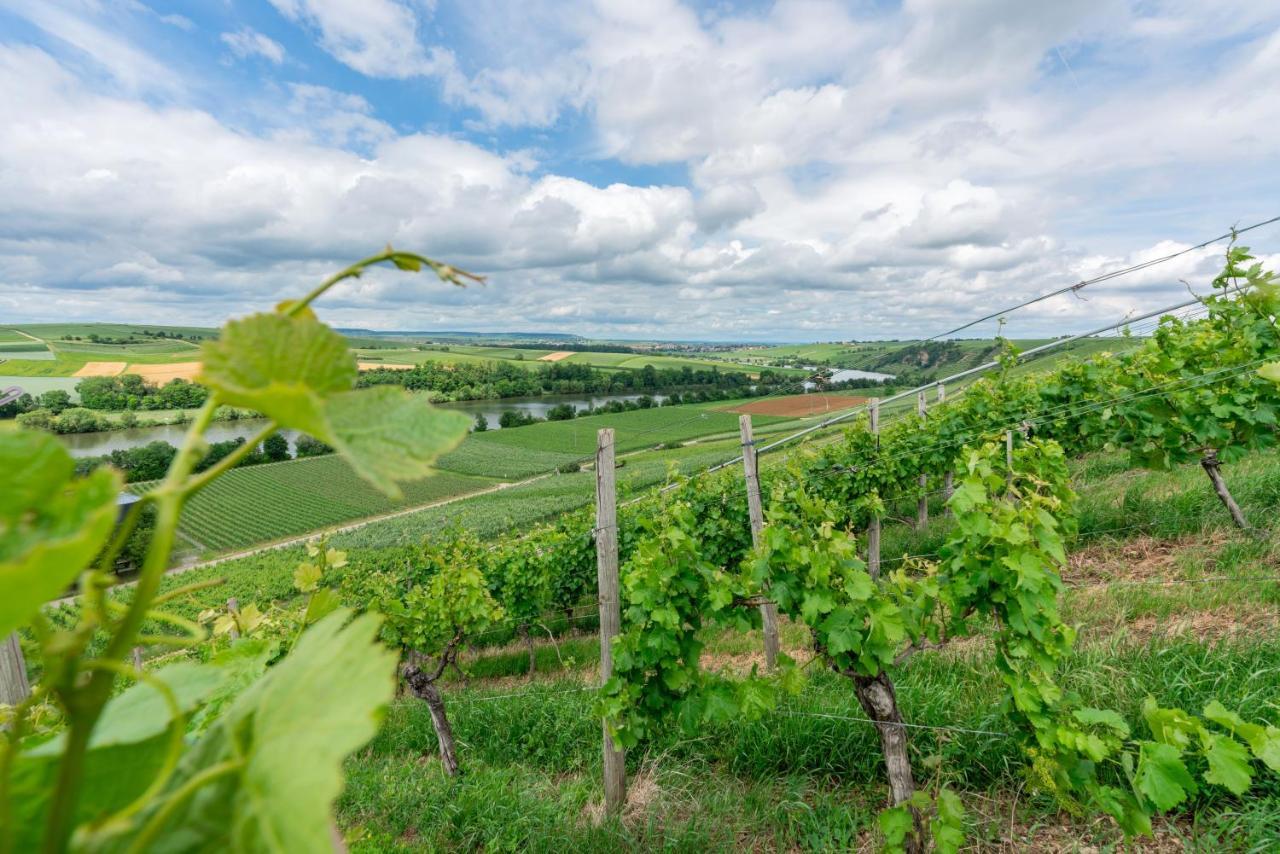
754,171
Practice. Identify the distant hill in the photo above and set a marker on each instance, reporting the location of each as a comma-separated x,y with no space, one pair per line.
450,335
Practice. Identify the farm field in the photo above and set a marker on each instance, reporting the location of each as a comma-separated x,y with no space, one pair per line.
816,403
638,429
278,500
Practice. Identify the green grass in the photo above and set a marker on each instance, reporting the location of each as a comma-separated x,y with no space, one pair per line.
11,349
476,455
11,336
269,502
789,781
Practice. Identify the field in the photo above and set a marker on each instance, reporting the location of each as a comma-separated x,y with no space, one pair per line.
111,330
800,404
277,500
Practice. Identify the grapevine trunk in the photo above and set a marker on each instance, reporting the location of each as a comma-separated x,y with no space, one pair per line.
423,687
1212,468
879,701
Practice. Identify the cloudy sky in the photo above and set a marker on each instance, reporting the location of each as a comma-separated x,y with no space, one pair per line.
796,170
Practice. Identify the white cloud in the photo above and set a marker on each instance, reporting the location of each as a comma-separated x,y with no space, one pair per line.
247,43
375,37
851,171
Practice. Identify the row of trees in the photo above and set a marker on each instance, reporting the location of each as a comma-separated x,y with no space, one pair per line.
495,380
152,460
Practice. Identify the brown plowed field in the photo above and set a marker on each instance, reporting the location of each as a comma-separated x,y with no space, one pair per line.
800,404
391,366
554,357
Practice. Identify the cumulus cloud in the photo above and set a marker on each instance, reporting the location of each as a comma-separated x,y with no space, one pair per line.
833,171
247,43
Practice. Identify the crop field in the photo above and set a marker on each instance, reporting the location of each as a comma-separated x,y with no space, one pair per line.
817,403
10,336
528,504
479,455
112,330
633,430
277,500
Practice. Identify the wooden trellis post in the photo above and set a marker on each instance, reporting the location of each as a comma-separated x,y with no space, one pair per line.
14,687
949,476
873,529
615,771
755,509
1008,458
922,503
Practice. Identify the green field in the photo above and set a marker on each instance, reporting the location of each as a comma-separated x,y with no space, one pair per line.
633,430
112,330
277,500
9,336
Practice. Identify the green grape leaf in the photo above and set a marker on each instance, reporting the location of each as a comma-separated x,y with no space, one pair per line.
895,824
35,465
306,577
51,525
1112,720
1270,371
1264,741
324,602
1161,776
1228,763
284,367
292,730
389,435
948,825
126,750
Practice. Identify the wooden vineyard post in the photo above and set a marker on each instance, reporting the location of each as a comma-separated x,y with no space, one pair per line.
615,771
1008,459
137,658
873,529
949,476
14,687
922,503
755,509
233,608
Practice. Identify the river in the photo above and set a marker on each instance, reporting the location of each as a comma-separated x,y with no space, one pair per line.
95,444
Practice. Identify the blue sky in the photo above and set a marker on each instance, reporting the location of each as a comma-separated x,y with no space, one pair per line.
803,170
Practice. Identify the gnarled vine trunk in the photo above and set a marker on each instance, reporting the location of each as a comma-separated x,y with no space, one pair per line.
528,644
1209,462
423,686
879,701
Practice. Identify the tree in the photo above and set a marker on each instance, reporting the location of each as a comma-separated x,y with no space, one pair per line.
482,423
55,400
431,607
562,412
307,446
276,448
77,419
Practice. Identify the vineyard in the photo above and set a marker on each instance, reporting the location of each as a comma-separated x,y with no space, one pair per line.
270,502
1036,610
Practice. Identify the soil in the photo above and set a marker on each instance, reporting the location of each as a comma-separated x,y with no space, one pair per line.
800,404
555,357
101,369
161,374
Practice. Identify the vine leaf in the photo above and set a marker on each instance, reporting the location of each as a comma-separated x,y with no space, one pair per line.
282,366
298,372
388,434
1228,763
127,749
1264,741
337,680
1161,775
51,526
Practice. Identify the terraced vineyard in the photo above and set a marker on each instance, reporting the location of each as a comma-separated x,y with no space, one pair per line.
269,502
